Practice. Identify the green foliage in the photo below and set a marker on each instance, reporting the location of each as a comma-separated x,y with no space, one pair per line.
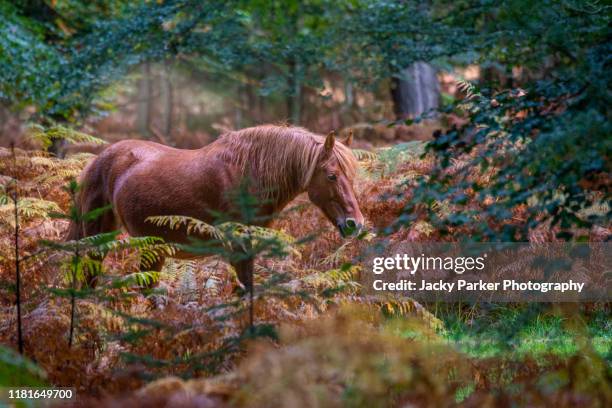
524,331
343,279
391,157
377,39
193,226
28,208
86,255
231,241
27,61
89,45
4,197
230,235
60,133
18,371
545,146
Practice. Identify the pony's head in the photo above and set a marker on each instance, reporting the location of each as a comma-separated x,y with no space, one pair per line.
331,186
285,161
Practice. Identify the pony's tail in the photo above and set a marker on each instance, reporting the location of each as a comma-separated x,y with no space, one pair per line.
88,197
76,229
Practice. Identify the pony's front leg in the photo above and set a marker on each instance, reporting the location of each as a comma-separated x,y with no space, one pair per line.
244,270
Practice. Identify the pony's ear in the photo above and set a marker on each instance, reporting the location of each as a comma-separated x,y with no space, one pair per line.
330,140
349,139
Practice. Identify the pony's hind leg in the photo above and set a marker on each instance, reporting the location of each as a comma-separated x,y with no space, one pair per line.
244,270
90,198
104,223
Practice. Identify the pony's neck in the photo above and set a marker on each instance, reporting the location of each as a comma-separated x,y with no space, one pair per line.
280,201
277,161
295,173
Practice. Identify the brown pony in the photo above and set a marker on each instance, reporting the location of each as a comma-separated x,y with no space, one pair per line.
142,179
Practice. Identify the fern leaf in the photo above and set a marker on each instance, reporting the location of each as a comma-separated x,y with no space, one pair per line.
363,155
468,88
193,225
47,136
27,208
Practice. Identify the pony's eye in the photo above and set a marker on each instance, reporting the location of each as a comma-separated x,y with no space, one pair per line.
331,177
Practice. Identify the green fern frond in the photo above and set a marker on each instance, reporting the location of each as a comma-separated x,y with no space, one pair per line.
170,270
226,232
47,136
338,279
174,269
468,88
193,225
140,243
409,307
237,231
150,255
58,175
44,162
141,278
79,158
399,308
27,209
344,275
388,158
336,257
151,249
4,197
71,268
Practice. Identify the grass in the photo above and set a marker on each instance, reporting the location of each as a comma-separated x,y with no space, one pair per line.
510,345
517,333
527,331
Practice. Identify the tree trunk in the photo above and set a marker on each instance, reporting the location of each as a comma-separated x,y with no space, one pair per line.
166,95
4,115
253,103
143,121
416,91
294,98
239,106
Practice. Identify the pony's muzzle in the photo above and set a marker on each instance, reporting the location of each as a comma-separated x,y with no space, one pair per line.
349,227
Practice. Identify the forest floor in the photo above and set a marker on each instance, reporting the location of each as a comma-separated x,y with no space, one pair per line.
318,341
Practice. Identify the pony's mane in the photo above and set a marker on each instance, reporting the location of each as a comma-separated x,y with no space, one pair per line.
280,159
